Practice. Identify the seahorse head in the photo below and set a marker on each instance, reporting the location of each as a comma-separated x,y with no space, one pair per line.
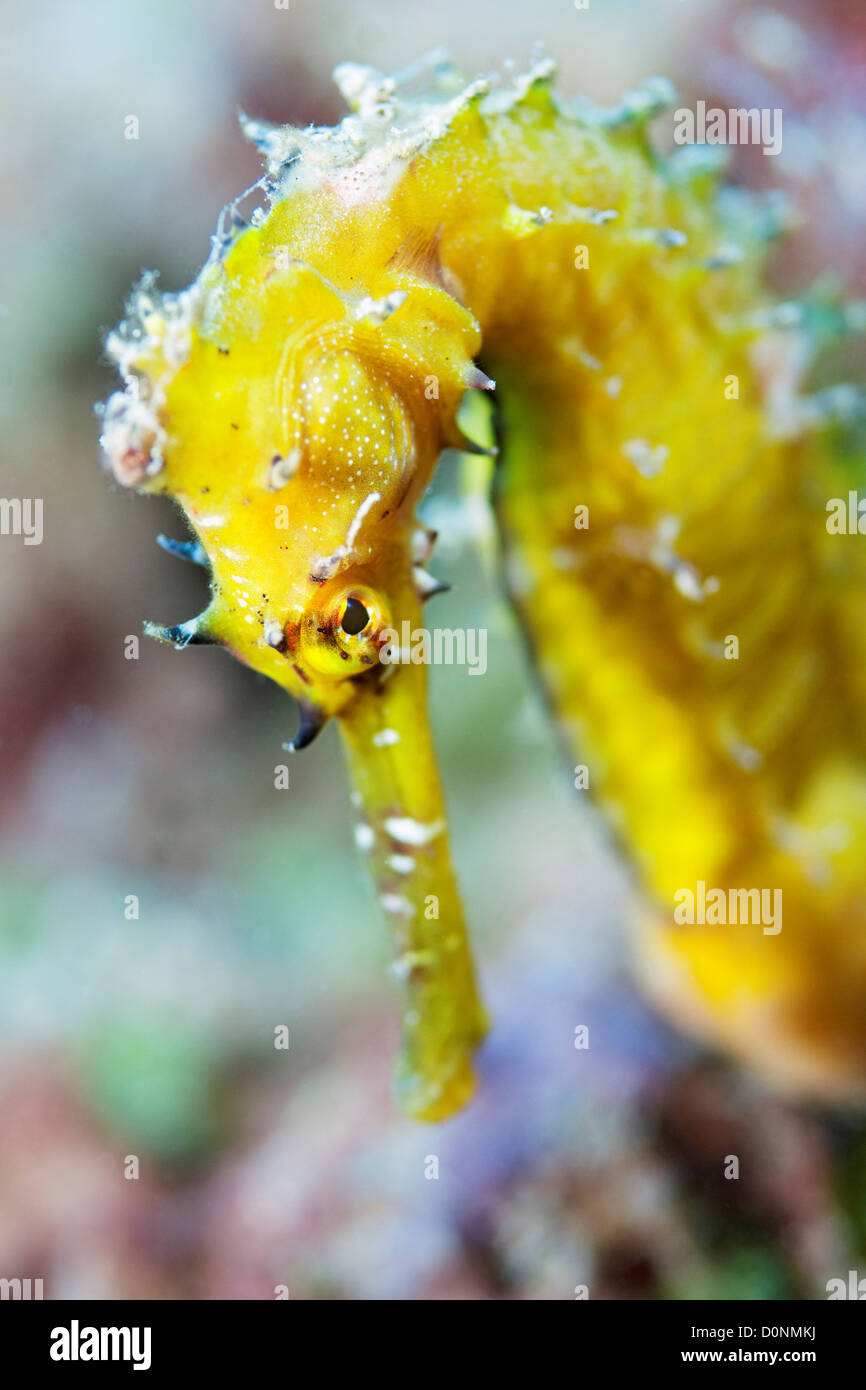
293,402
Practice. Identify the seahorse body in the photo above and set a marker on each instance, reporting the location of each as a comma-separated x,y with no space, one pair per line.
660,488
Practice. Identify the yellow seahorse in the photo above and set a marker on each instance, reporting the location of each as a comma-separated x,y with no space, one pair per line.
661,489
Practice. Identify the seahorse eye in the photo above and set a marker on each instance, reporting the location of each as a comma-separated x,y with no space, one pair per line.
355,617
340,636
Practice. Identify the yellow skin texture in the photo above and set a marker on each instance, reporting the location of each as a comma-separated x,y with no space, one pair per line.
611,344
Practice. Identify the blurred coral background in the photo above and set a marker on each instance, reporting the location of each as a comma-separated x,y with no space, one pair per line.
154,1036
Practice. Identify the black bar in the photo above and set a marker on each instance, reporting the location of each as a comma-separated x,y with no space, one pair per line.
283,1335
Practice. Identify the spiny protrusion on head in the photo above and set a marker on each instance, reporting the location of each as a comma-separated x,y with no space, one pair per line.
280,145
727,256
465,445
637,107
668,238
421,548
523,222
131,439
422,543
843,404
311,722
361,85
476,380
231,223
595,217
393,117
191,551
283,467
329,565
790,314
237,223
425,584
149,348
188,634
827,316
378,310
274,635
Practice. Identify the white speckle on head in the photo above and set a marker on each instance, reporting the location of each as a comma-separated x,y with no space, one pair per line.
748,758
401,863
396,905
648,461
386,738
413,832
587,360
403,966
687,581
364,836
